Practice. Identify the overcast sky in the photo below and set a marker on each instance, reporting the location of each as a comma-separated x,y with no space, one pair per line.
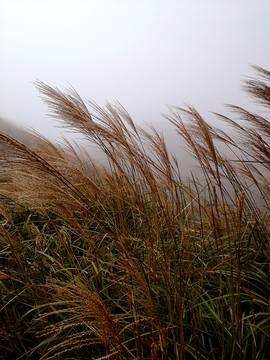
143,53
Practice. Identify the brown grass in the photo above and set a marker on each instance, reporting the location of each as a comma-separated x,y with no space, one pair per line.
127,260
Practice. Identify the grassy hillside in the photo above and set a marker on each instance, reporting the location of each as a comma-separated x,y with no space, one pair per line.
129,261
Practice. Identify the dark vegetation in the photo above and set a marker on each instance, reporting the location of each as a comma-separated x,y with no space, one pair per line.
128,260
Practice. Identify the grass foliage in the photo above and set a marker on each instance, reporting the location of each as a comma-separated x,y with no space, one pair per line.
128,260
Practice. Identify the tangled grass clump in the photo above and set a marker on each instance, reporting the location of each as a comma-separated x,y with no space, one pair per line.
128,260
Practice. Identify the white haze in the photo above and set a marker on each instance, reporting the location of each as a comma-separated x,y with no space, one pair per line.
143,53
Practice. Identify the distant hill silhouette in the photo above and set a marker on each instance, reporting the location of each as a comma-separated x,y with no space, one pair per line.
16,131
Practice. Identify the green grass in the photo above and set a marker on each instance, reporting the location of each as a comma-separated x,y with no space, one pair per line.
128,260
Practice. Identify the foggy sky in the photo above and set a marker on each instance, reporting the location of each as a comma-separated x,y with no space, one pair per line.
143,53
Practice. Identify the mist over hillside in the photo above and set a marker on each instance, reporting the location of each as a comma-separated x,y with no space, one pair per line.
16,131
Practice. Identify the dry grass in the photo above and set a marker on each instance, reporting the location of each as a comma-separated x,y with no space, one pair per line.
127,260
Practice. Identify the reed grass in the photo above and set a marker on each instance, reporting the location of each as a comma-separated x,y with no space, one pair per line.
129,260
